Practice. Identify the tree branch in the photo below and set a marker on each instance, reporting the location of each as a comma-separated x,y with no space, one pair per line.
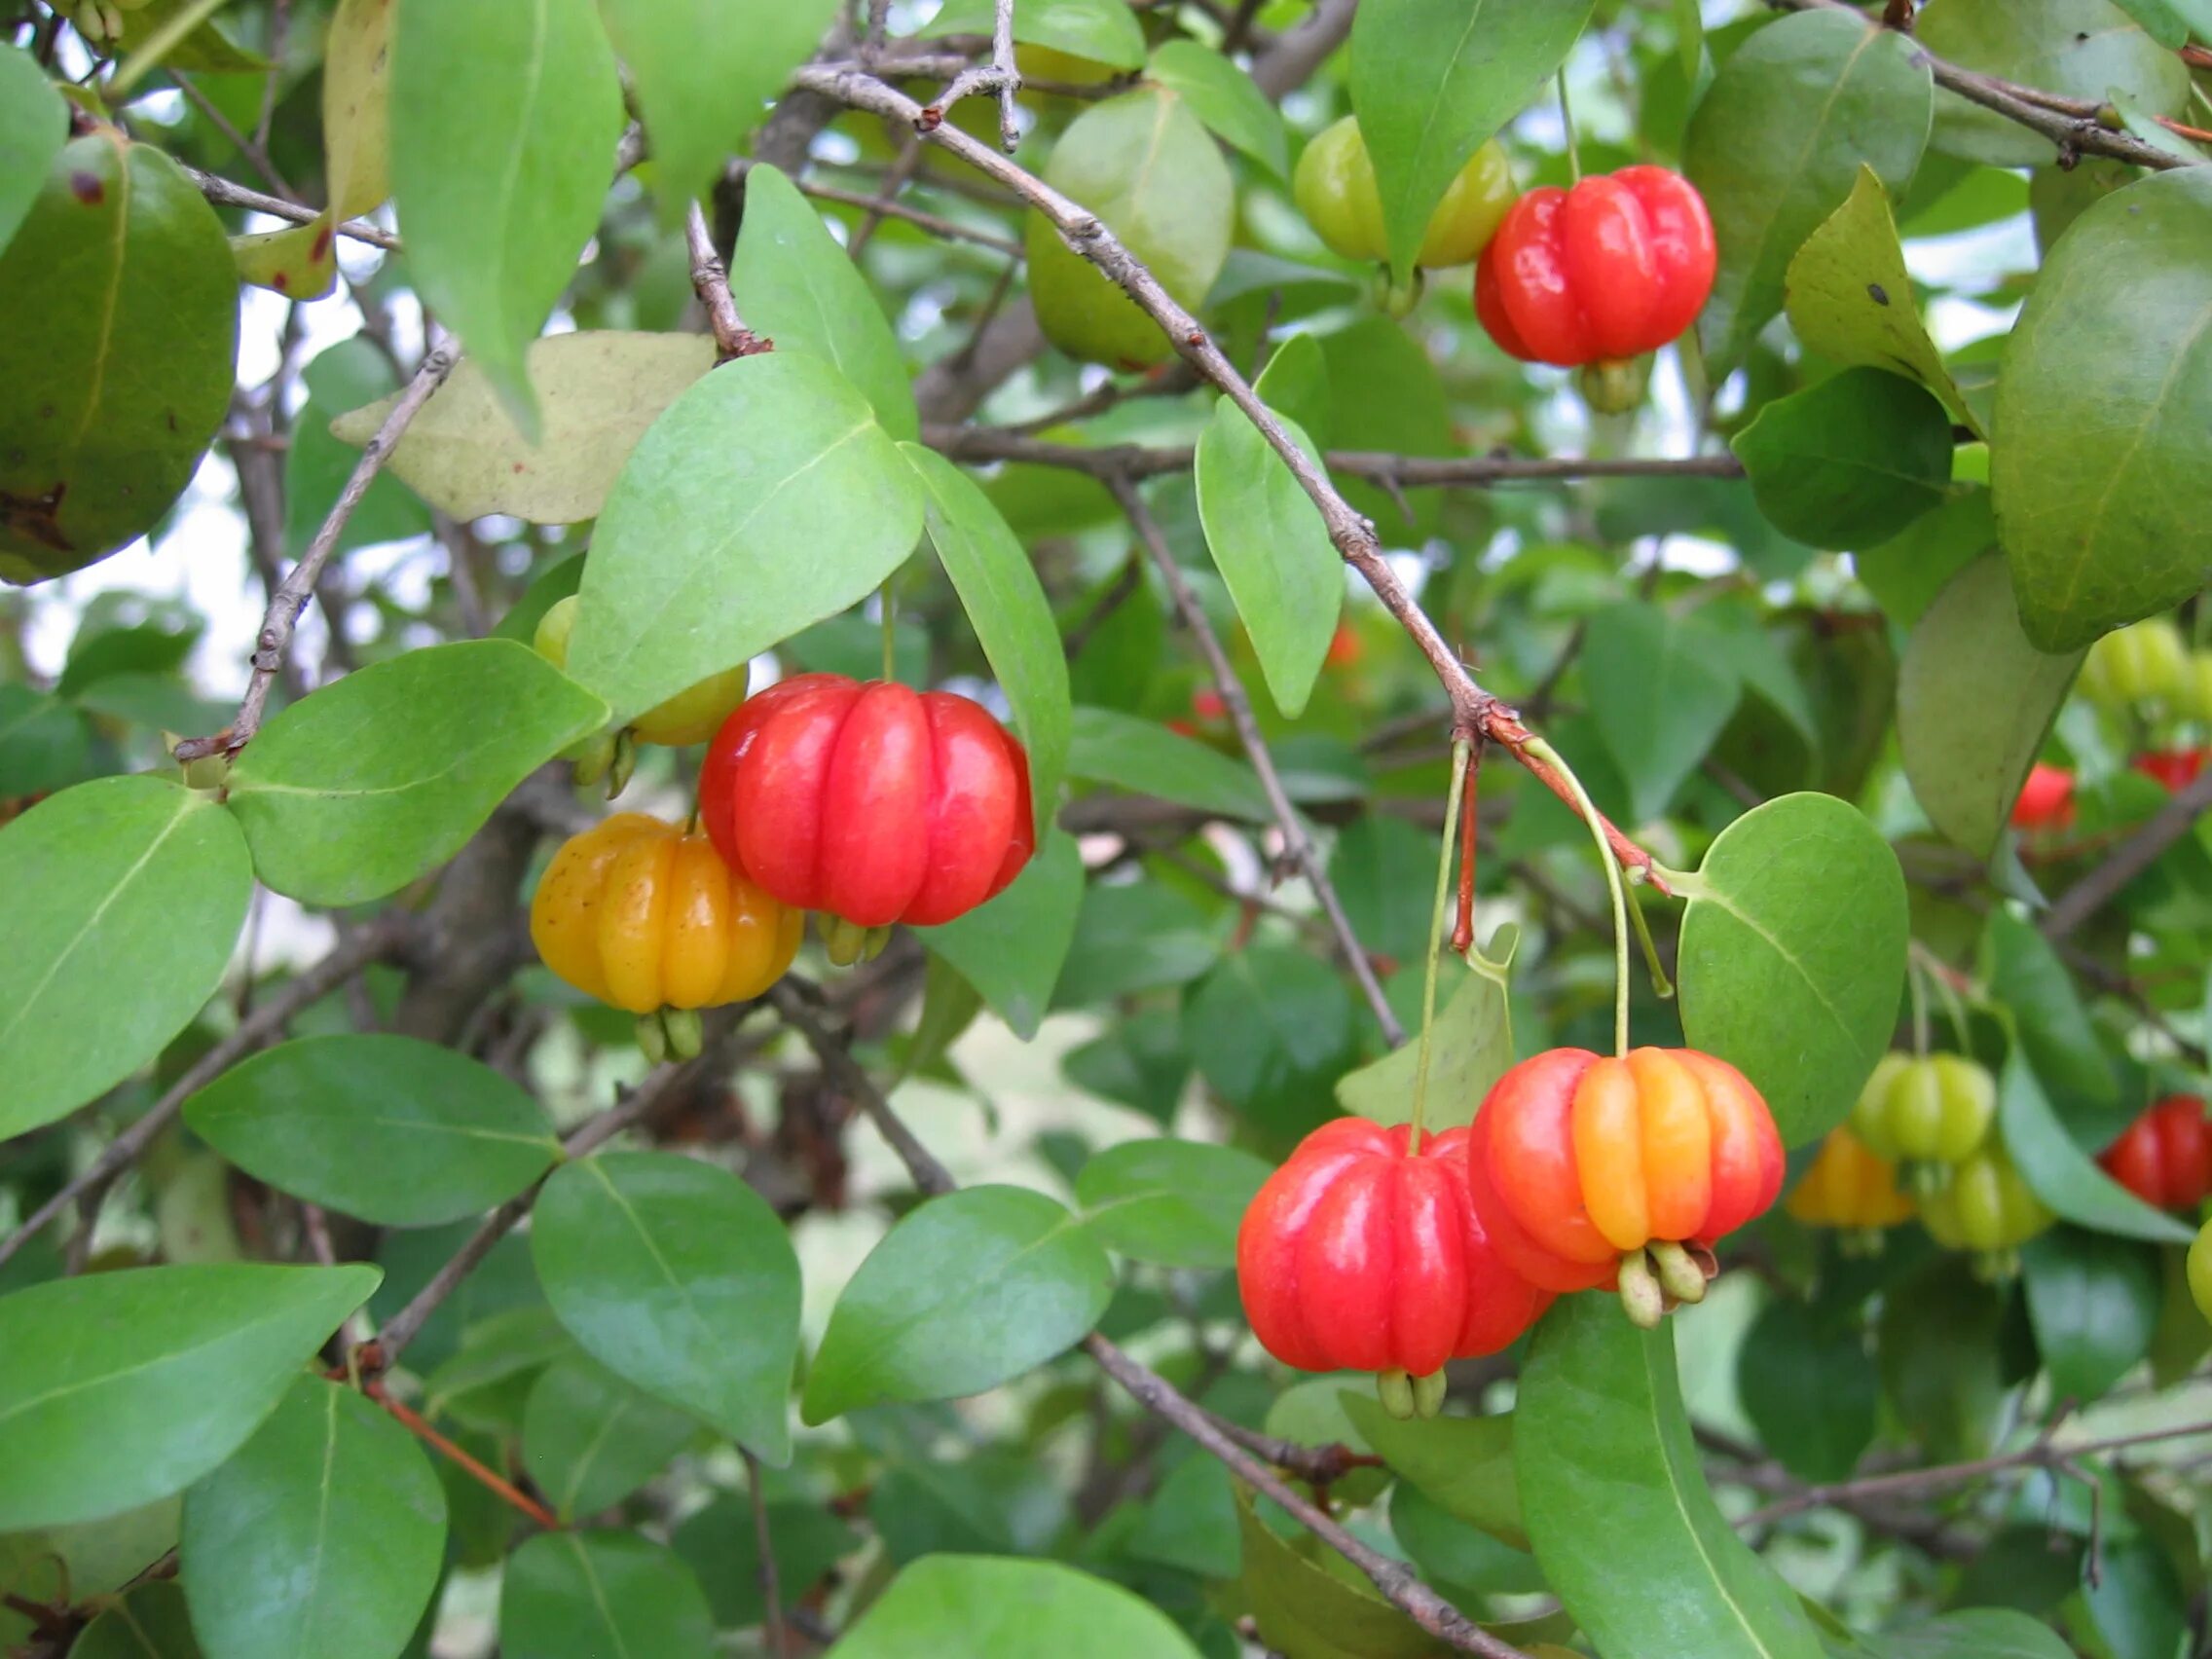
226,194
1298,845
709,281
2129,858
771,1588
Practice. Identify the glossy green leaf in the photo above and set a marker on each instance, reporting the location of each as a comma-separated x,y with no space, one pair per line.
1975,698
766,499
1849,299
966,1292
679,1277
1794,1355
1777,144
1459,1560
1190,1521
44,743
705,72
1792,956
600,1596
117,1388
1907,573
34,125
2093,1301
719,1542
487,1378
1010,949
1223,96
1174,1203
1145,757
1304,1607
794,283
2025,975
1980,1633
1848,462
345,377
1617,1506
597,394
1462,1464
1471,1046
1270,1029
1005,604
2097,518
1101,31
127,897
393,1131
113,396
325,1533
1009,1609
2061,1173
1267,539
355,792
1660,692
2083,49
1139,1062
503,123
1433,80
151,1622
589,1440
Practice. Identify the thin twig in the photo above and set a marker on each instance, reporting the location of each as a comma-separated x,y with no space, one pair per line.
297,588
225,192
256,156
883,206
765,1574
2129,858
279,32
711,283
487,1478
353,953
1298,845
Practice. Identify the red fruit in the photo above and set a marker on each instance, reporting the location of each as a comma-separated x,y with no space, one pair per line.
1614,268
2174,770
1575,1162
2047,799
1346,647
2164,1157
872,801
1356,1257
1206,702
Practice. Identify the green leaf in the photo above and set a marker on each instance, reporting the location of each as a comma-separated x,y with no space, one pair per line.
1777,142
1975,698
127,897
2061,1175
1006,605
1617,1507
396,1132
1848,462
1223,96
34,125
1270,1029
1386,395
1471,1046
153,1622
2025,975
2093,1301
1137,935
345,376
1462,1464
1981,1633
1942,1372
1139,1062
1457,1559
117,1388
1102,31
679,1277
966,1292
503,123
325,1533
1907,573
1791,1355
1433,80
2159,20
1303,1605
1010,949
1145,757
766,499
355,790
44,744
1267,539
1849,299
1009,1609
113,396
597,394
2140,1608
1661,694
2083,49
1174,1203
724,1550
589,1440
2096,517
705,72
592,1594
1188,1524
794,283
1368,865
1792,956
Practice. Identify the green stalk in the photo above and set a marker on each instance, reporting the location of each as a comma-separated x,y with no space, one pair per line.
1545,753
1461,750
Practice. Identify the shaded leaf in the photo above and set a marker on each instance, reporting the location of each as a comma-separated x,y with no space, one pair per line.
153,1622
345,376
1462,1464
1175,1202
2093,1301
1793,1355
1471,1046
1009,1609
34,125
1848,462
1010,949
1145,757
2083,49
1225,99
1269,1029
1660,693
724,1552
2061,1175
589,1440
592,1594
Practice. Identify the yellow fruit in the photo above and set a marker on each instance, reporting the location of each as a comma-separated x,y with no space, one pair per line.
688,717
1333,186
2200,1271
2144,663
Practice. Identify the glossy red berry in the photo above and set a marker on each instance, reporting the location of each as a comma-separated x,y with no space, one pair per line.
871,803
2047,799
2174,770
2164,1157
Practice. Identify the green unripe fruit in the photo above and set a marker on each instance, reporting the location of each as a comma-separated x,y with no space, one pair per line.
1333,186
688,717
2144,663
2200,1271
1935,1110
2195,700
1988,1210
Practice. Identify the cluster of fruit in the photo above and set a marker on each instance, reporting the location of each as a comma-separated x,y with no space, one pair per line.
1375,1249
2145,675
867,804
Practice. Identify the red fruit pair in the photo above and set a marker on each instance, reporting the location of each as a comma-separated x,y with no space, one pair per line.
2164,1157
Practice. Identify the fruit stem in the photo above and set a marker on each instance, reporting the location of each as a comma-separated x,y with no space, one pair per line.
1916,981
890,635
1462,752
1550,756
1566,120
1661,986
